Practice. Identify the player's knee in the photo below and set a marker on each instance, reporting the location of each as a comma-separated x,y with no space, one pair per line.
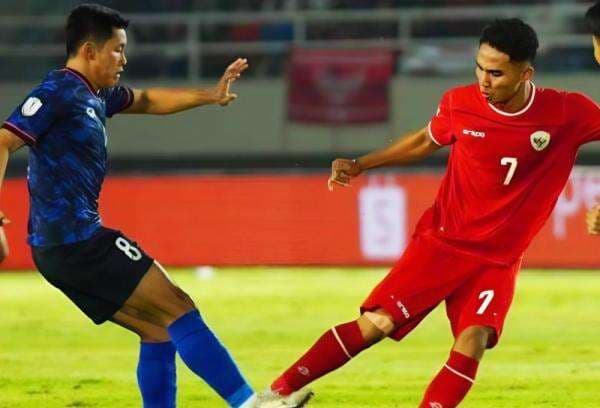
375,326
185,298
473,341
172,307
155,335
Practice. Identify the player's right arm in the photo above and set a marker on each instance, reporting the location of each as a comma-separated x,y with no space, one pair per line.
407,149
9,142
410,148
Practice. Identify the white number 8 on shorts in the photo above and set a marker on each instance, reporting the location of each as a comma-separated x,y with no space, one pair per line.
132,252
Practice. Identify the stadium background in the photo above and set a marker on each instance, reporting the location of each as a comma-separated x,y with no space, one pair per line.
327,79
246,185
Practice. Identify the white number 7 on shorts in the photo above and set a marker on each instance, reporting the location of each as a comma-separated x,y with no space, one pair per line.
487,296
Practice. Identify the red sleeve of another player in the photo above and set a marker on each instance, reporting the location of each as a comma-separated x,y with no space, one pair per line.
584,114
440,127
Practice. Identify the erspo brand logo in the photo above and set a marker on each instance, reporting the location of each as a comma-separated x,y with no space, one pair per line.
473,133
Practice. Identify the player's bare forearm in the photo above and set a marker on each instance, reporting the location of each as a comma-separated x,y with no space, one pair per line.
163,101
409,148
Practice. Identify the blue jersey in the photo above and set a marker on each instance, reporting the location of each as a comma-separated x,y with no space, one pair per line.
63,122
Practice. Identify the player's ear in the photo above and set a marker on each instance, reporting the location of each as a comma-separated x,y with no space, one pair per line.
527,73
88,49
596,41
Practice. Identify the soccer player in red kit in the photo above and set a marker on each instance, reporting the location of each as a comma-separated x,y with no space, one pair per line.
512,148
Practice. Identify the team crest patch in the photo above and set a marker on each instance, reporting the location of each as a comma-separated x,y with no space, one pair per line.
31,106
540,140
91,113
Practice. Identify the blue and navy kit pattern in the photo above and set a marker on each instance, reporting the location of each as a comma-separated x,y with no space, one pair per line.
63,122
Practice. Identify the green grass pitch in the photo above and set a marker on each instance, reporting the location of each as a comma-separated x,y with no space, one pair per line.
549,356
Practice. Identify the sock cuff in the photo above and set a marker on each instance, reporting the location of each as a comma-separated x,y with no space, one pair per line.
189,323
238,398
465,365
350,338
157,351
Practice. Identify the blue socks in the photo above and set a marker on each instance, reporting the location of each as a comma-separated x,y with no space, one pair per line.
156,375
204,354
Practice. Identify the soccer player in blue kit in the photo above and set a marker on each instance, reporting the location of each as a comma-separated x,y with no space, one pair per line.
106,274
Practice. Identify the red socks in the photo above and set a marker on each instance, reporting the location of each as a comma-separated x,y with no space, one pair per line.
337,346
334,349
452,383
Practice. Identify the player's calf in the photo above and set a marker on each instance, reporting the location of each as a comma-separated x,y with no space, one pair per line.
473,341
332,350
157,299
455,379
156,370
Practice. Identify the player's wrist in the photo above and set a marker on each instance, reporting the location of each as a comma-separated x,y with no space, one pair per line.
358,166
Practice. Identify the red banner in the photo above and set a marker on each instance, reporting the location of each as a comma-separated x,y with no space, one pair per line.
338,87
295,220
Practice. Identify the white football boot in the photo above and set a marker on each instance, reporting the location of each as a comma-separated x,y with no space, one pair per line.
270,399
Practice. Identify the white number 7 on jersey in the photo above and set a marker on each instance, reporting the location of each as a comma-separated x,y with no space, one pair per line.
487,296
512,161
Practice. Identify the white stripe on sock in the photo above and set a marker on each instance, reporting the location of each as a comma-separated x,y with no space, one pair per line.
341,344
472,381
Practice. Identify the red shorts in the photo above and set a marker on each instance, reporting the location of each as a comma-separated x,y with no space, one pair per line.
427,273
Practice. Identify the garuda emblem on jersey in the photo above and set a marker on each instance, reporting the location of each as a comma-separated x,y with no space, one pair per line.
540,140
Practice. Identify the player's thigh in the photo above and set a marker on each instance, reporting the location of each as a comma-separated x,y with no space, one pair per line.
157,299
420,280
484,300
98,274
148,332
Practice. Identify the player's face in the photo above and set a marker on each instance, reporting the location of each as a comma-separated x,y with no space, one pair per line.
596,48
499,78
110,60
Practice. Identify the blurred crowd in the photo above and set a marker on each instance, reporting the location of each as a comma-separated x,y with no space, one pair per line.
270,60
54,6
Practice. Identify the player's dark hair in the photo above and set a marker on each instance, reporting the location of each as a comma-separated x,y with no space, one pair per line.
512,37
91,22
592,17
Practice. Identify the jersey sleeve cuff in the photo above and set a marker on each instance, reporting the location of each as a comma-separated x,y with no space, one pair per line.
26,137
128,102
431,135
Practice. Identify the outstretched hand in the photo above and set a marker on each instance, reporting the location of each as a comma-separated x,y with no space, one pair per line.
223,96
593,220
342,171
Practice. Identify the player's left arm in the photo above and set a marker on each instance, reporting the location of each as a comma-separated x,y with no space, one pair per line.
163,101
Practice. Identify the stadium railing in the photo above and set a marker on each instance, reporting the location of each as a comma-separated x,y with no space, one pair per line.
190,46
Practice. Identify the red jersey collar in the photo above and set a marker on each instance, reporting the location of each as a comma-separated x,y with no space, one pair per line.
522,111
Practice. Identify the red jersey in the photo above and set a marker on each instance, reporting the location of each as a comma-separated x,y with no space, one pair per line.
505,170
